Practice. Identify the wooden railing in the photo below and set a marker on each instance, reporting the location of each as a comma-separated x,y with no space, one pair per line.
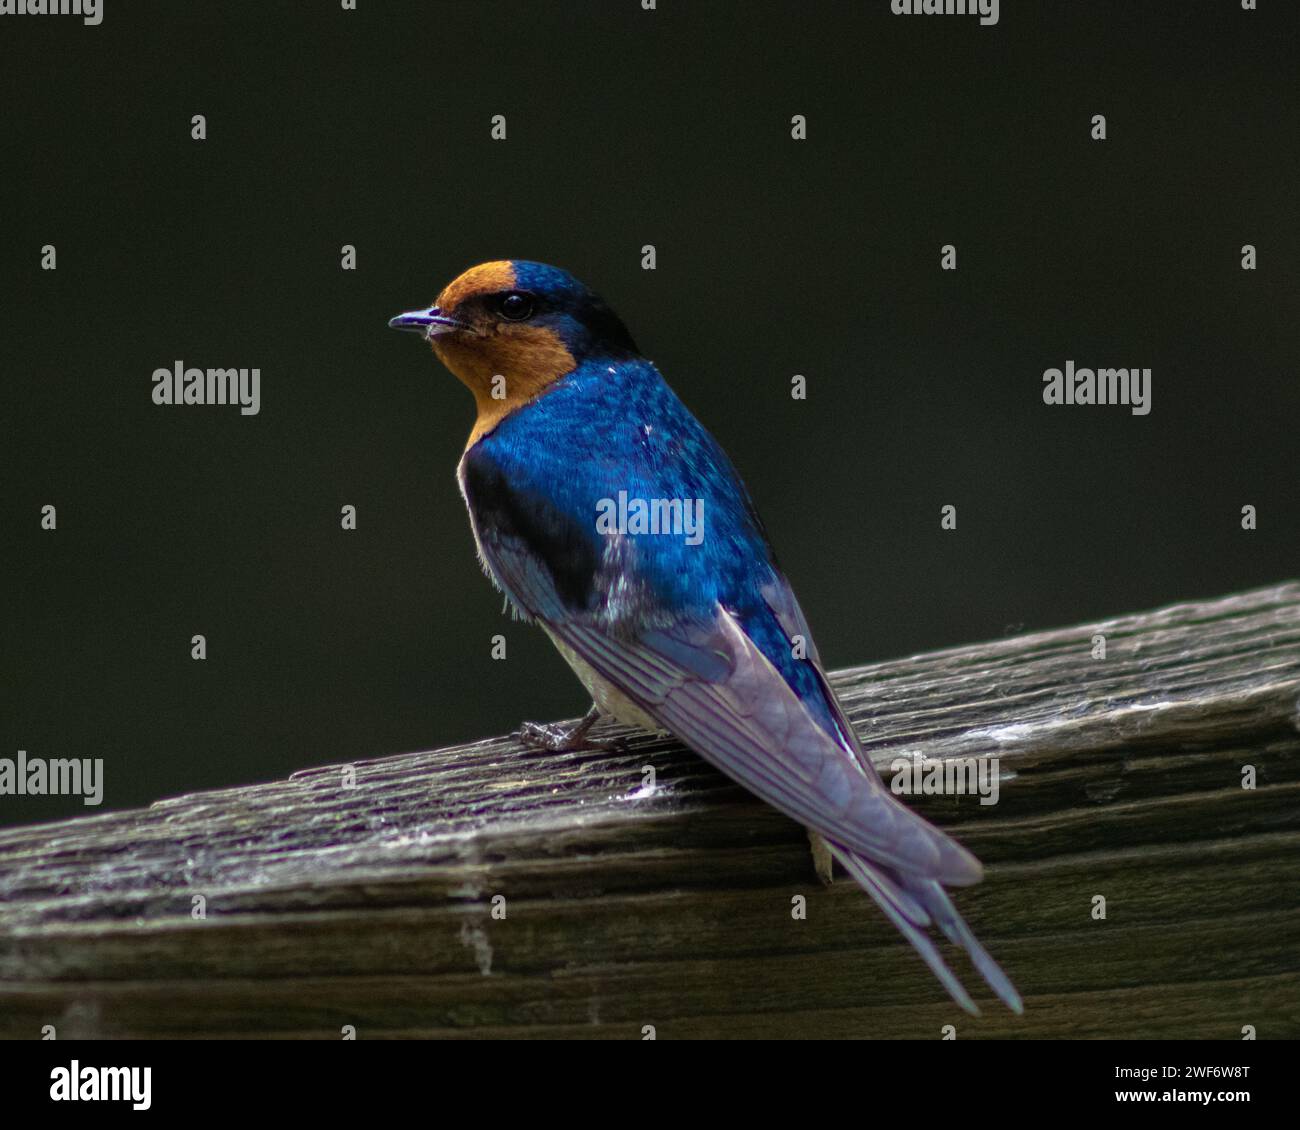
483,890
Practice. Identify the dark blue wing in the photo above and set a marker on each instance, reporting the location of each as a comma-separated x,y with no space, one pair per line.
703,643
716,673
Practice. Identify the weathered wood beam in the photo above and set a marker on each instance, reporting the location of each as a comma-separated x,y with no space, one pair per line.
330,901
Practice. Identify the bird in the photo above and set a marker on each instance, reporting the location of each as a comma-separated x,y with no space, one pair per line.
578,446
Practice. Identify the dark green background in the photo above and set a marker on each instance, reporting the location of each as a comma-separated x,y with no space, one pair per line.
328,127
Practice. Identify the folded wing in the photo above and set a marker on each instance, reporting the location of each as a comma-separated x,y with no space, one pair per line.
701,675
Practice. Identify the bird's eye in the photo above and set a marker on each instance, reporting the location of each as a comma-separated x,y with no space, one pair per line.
515,306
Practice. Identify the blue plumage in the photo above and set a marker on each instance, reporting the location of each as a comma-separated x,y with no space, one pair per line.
699,636
615,425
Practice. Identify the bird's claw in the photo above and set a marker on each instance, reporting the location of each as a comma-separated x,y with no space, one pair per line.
552,737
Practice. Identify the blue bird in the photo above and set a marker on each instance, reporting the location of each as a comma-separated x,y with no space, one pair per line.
608,515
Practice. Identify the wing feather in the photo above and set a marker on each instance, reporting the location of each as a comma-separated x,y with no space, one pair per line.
703,678
712,687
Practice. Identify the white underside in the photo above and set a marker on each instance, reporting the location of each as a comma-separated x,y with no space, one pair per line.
607,697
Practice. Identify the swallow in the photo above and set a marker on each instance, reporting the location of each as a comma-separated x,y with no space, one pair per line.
578,446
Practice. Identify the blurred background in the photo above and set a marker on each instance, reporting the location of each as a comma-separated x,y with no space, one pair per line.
774,257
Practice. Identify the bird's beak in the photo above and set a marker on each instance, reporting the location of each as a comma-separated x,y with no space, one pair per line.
430,322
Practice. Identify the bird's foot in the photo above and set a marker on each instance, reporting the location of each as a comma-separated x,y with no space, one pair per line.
552,737
823,861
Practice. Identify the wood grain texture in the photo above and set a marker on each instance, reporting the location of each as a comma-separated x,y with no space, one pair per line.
627,905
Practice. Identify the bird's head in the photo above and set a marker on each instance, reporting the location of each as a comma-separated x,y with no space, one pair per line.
510,328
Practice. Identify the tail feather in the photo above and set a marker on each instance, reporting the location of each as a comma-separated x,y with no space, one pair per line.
935,899
912,904
883,885
880,888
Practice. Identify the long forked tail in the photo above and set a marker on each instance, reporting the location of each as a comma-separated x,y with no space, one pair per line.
913,905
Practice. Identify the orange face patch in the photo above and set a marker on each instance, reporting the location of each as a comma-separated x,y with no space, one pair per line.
504,364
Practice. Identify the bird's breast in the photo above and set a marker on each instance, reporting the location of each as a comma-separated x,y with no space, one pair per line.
611,701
